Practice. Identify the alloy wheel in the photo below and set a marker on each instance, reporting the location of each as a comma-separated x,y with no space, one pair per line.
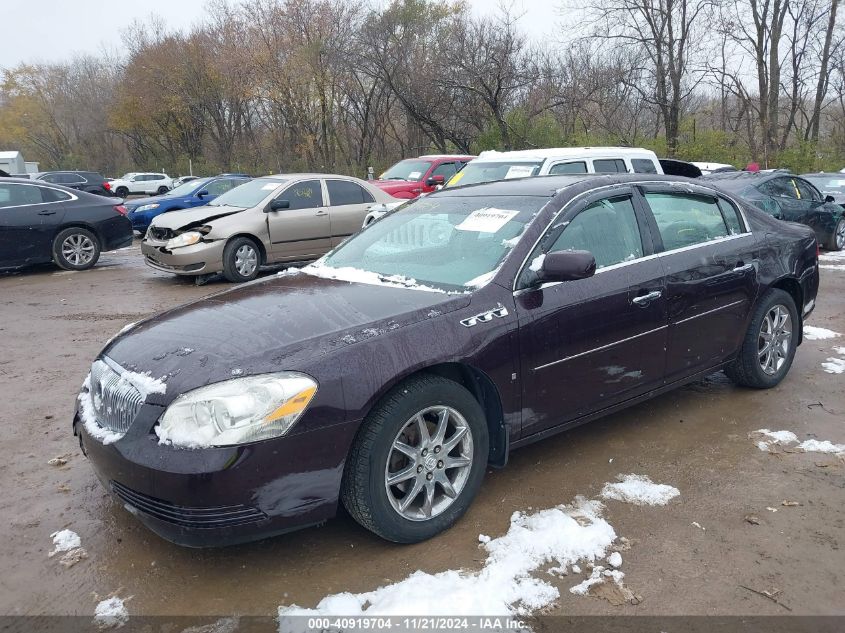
78,249
840,235
429,463
774,339
246,260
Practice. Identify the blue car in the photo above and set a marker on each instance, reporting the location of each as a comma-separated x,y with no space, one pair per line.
193,193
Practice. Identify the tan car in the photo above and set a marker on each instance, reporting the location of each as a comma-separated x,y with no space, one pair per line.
281,218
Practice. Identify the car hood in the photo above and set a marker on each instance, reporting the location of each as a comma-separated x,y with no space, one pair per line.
390,186
275,324
195,216
140,202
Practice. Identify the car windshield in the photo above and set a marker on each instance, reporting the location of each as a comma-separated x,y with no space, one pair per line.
128,175
187,188
832,183
476,172
407,170
248,194
445,243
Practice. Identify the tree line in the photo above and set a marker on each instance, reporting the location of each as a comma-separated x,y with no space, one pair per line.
266,86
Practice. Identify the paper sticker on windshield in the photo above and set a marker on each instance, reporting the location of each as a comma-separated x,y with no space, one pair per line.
415,175
486,220
269,186
519,171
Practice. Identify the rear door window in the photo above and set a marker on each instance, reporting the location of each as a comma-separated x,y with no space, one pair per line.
686,219
342,192
447,170
643,166
575,167
732,217
610,166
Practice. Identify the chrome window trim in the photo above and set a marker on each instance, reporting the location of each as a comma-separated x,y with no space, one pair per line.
598,349
566,207
44,186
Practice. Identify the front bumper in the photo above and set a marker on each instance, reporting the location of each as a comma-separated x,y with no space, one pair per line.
221,496
197,259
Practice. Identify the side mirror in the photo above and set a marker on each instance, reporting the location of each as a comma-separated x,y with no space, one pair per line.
202,194
828,199
567,266
436,180
276,205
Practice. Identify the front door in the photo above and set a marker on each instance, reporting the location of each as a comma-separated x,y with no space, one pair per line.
29,217
711,260
592,343
302,230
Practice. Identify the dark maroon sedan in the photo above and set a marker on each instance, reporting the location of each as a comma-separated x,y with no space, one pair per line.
389,374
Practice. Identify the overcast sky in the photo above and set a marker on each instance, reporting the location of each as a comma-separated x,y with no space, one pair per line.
55,30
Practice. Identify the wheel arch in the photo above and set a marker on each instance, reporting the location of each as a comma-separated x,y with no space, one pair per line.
262,251
79,225
482,388
792,287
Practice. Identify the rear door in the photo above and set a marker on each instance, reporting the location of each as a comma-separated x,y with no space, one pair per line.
303,229
29,218
592,343
710,259
348,204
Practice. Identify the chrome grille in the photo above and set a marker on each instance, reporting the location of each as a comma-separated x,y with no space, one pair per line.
116,402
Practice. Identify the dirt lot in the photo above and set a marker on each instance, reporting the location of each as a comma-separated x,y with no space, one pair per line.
54,323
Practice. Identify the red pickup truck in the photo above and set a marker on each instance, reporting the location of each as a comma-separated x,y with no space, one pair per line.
413,176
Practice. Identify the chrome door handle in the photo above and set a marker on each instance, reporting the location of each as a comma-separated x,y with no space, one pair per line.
646,299
741,268
321,212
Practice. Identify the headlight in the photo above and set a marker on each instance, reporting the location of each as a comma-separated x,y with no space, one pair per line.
147,207
237,411
186,239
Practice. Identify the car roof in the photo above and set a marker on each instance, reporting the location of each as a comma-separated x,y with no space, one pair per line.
564,152
443,156
309,175
547,186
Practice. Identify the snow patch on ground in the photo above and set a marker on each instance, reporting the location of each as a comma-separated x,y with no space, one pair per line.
821,446
773,438
503,587
834,365
639,490
615,560
64,540
111,613
812,333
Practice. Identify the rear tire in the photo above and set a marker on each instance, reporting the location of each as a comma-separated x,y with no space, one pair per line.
769,345
836,242
76,249
162,190
121,192
241,260
436,465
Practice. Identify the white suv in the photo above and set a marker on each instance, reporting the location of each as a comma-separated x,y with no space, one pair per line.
493,165
141,182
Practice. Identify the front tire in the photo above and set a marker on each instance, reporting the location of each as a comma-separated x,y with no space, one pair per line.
162,190
769,345
121,192
241,260
76,249
836,241
418,460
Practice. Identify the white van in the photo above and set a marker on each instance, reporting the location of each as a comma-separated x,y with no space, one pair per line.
493,165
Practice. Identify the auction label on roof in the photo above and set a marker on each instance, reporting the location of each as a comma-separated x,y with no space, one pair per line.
487,220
